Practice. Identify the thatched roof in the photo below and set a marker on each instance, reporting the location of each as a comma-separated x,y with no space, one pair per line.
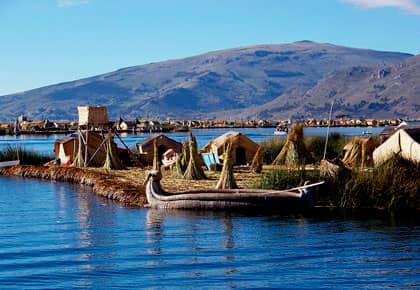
389,131
163,142
404,142
243,148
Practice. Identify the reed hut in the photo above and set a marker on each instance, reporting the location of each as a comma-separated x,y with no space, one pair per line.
358,152
404,142
164,143
93,116
243,148
67,148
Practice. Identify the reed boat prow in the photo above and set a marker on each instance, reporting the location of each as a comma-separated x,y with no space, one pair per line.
296,198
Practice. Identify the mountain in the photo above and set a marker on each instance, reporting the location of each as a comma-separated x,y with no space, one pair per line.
382,92
199,86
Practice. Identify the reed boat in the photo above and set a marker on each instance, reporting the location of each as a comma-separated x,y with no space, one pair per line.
292,199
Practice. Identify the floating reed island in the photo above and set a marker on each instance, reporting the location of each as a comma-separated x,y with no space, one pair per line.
365,174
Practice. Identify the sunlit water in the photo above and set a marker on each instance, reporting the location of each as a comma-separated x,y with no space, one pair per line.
45,143
54,235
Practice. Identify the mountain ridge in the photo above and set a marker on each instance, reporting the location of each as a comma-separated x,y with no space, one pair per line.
196,86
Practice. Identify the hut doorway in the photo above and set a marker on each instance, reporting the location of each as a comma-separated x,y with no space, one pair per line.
240,156
161,149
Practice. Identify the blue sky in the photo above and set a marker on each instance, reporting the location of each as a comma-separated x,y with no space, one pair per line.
49,41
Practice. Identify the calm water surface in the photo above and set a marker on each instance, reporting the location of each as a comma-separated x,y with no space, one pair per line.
54,235
45,143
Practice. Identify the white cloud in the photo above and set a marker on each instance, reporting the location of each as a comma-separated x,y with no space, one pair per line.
409,6
70,3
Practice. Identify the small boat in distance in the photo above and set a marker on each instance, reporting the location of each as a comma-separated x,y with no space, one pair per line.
298,198
281,131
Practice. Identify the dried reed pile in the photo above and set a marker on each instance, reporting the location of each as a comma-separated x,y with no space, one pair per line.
112,161
194,169
227,179
294,152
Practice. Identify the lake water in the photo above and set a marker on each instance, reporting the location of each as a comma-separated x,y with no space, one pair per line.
55,235
45,143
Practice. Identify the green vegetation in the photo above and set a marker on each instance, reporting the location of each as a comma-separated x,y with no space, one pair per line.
271,148
284,179
315,145
395,186
26,157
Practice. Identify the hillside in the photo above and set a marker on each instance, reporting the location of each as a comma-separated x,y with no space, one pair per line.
382,92
199,86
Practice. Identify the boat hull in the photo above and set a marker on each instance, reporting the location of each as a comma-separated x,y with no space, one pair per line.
227,198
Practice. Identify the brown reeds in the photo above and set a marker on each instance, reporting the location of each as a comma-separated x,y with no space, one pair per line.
227,179
182,160
294,152
156,163
112,161
79,159
194,169
257,161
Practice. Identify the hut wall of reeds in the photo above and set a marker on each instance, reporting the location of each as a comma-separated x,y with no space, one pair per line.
67,148
243,148
404,142
95,116
164,143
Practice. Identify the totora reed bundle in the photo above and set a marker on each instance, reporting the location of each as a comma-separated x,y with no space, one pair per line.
257,161
183,159
112,160
294,152
79,160
156,163
194,169
227,179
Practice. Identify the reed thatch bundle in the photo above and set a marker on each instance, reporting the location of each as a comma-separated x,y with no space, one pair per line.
294,152
257,161
227,179
194,169
156,163
358,153
182,160
79,160
112,160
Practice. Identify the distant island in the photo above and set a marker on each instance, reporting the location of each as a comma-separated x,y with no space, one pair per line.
273,82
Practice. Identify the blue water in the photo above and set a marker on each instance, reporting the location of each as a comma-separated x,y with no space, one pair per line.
54,235
45,143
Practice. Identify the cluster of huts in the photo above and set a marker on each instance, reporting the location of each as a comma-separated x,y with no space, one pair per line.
89,142
403,140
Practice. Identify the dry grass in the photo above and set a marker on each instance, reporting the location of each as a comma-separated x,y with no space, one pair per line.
171,182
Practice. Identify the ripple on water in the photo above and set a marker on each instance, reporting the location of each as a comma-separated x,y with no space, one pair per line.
54,235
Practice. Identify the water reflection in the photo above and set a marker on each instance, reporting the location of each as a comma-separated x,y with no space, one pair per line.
153,228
